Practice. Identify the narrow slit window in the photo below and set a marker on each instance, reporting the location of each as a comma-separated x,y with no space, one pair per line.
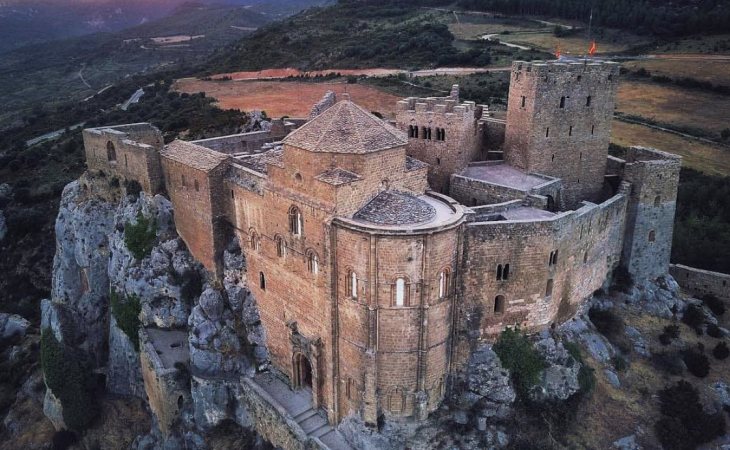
570,131
523,101
400,292
499,272
353,285
262,281
562,102
549,288
588,101
547,132
443,283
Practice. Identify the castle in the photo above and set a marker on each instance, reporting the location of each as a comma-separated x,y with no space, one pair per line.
379,253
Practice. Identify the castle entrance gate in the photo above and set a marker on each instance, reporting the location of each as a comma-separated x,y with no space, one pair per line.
302,372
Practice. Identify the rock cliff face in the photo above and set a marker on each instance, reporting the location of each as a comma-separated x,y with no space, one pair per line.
97,281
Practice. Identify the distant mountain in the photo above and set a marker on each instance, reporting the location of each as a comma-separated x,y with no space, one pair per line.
24,22
75,68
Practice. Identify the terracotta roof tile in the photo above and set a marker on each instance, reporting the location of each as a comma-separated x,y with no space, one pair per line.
346,128
193,155
337,176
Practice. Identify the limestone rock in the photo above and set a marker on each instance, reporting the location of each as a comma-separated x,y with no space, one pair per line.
12,325
124,375
487,389
212,401
53,410
560,379
581,330
627,443
638,341
612,378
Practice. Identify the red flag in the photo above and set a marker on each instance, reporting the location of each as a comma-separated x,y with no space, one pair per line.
557,52
592,50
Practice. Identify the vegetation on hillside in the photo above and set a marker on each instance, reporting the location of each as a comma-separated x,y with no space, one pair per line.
354,34
126,312
70,379
641,16
517,355
702,223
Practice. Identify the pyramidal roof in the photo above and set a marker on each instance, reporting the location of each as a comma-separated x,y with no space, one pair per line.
346,128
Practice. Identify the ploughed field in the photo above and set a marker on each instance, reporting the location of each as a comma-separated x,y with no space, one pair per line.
286,98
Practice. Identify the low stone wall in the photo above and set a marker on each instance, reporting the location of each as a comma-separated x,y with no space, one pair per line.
698,282
272,421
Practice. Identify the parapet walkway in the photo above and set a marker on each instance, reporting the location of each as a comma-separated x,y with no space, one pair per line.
298,404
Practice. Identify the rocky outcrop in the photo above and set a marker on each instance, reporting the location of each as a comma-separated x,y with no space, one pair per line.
485,388
559,380
12,325
3,226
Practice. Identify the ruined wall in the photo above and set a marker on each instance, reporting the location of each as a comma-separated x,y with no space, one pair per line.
490,137
238,143
654,177
698,282
559,123
459,146
130,152
588,246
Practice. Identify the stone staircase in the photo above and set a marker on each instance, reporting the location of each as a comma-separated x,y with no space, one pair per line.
298,405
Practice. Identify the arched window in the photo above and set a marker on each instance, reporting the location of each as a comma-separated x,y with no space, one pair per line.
111,152
505,272
652,236
254,241
401,292
295,221
499,304
549,288
443,283
443,134
280,246
352,279
657,200
553,258
396,401
562,102
262,281
312,262
499,271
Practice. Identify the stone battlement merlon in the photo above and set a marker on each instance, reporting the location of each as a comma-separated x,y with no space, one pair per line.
542,68
644,154
442,105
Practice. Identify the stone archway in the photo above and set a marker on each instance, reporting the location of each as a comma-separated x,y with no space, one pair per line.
302,372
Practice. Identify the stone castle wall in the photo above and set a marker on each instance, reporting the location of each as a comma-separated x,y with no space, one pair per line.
698,282
460,145
588,246
654,177
559,123
130,152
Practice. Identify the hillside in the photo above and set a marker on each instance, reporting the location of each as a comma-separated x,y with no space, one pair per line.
353,34
74,69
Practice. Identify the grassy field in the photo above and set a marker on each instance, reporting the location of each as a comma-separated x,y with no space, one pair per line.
714,44
675,106
286,98
706,158
713,71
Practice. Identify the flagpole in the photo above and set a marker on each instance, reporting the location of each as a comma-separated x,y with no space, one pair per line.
590,24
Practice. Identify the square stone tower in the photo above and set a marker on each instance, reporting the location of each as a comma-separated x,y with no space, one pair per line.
559,122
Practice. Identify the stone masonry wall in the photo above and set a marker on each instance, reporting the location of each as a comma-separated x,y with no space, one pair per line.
130,152
559,123
698,282
654,176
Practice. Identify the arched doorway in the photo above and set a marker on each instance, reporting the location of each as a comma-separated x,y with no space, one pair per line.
302,372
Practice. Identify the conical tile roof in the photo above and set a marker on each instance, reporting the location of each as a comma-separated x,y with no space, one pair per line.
346,128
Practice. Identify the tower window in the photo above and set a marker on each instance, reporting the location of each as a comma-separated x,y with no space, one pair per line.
262,281
588,101
523,101
499,305
232,194
254,241
353,284
553,157
502,272
547,132
280,247
182,180
443,283
570,131
549,288
196,185
657,200
438,161
553,258
295,221
593,127
562,102
312,262
652,236
400,292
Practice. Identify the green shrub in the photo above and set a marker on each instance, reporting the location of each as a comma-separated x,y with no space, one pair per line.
684,423
714,331
126,314
694,317
670,333
720,351
697,363
612,326
140,237
517,355
70,379
668,362
620,363
133,188
714,304
586,374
